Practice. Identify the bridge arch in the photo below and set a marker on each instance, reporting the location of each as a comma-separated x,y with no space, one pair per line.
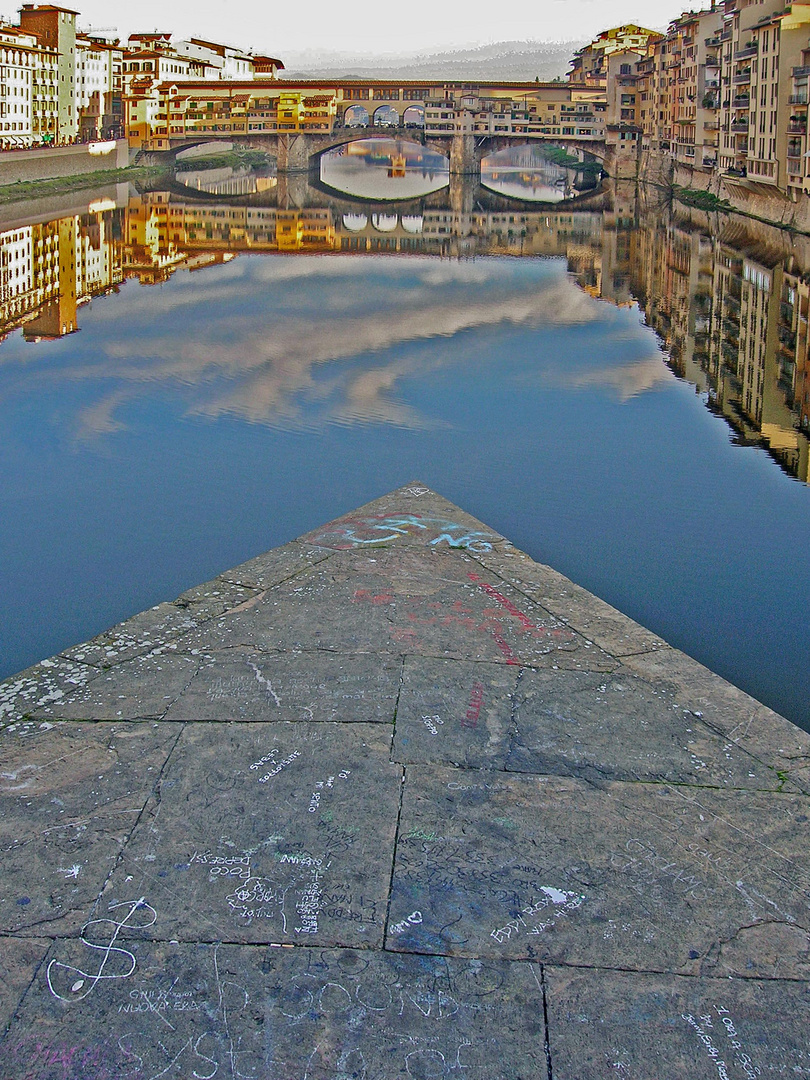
384,222
412,223
386,116
414,116
355,222
356,116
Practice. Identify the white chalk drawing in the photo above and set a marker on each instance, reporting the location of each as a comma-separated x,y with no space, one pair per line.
430,723
713,1030
262,680
414,919
561,904
84,982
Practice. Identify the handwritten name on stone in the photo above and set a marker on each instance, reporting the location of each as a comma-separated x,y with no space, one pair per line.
561,902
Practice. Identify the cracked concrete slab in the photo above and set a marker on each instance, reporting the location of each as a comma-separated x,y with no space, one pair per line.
740,718
268,832
38,687
404,601
140,688
620,727
274,566
244,684
69,799
20,961
156,628
455,712
634,876
605,725
617,1024
173,1009
576,607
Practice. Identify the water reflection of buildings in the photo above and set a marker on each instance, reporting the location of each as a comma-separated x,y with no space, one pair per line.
731,307
48,270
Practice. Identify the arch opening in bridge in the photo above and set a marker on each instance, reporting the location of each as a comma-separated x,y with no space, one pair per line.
356,116
382,168
414,116
527,172
384,222
355,222
412,223
386,116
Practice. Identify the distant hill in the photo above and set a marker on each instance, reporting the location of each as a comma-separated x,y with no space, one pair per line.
509,60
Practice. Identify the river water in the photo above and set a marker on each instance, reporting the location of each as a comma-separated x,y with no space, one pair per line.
188,378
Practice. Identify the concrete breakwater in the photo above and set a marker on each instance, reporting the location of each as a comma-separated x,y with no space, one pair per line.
52,162
396,801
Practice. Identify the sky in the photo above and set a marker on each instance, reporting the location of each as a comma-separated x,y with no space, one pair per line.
368,26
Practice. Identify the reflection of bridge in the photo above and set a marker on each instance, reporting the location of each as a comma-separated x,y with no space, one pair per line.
302,151
462,194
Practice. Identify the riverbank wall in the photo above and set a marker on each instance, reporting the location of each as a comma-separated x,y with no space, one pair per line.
745,196
53,162
16,215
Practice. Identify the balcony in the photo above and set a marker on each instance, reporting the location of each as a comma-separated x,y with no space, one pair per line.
741,101
748,50
711,42
797,127
742,77
798,99
800,72
794,150
740,126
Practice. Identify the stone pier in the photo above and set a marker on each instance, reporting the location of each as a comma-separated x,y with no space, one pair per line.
395,801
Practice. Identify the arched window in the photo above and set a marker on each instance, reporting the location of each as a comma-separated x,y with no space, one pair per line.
356,116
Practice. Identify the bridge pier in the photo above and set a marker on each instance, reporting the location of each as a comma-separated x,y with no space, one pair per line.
294,151
465,159
292,190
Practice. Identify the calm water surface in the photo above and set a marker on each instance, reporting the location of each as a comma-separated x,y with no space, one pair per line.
208,379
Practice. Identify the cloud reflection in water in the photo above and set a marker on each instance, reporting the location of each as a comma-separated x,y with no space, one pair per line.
307,340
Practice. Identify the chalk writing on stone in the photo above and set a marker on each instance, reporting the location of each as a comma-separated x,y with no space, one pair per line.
642,863
414,919
384,529
559,905
69,982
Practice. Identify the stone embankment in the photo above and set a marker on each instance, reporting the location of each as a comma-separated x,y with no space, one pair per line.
396,801
52,162
761,201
